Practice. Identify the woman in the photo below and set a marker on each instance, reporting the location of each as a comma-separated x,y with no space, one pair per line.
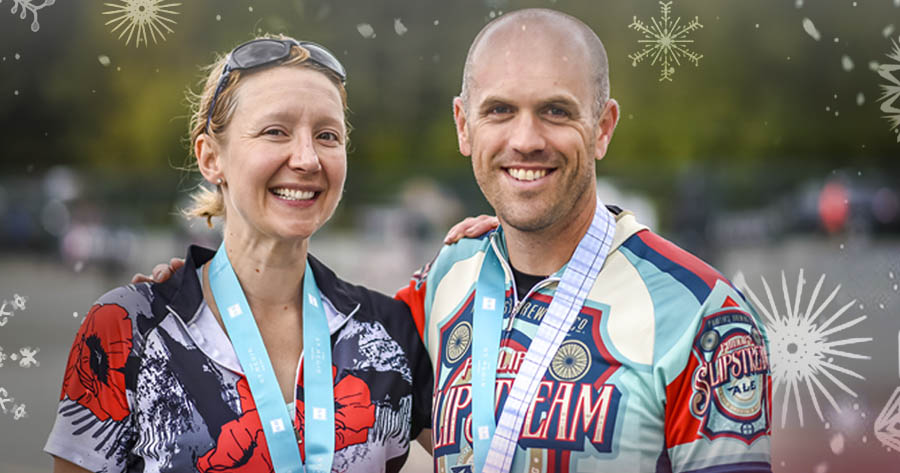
209,370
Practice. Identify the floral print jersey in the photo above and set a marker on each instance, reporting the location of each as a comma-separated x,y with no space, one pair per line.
152,383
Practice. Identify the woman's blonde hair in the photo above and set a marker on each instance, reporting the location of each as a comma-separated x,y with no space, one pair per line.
208,203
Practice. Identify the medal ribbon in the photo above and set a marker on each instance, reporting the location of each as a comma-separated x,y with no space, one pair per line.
317,378
495,445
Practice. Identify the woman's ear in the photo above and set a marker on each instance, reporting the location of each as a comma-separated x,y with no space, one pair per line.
206,149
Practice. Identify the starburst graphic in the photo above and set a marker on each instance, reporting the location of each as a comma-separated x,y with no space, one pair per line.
137,17
887,425
22,7
665,42
890,93
802,345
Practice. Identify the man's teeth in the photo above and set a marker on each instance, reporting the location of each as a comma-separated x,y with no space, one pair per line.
293,194
527,174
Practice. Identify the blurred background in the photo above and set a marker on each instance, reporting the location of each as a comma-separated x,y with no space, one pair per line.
774,157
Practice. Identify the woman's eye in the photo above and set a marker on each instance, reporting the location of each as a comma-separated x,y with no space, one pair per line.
274,132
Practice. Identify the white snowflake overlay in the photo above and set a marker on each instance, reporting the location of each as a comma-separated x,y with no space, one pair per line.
665,41
25,357
803,352
22,7
890,93
137,17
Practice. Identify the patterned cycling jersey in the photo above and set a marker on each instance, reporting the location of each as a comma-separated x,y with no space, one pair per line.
665,368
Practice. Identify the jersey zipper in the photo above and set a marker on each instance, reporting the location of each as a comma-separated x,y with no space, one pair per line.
518,305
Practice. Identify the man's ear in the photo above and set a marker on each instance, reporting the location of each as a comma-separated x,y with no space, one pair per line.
605,127
462,131
206,149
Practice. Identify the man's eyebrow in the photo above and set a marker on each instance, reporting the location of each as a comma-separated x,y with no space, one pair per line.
492,100
560,100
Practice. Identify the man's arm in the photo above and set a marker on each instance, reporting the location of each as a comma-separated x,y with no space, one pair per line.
468,228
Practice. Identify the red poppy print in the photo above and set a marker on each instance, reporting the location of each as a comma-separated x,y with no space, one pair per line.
95,372
241,446
354,412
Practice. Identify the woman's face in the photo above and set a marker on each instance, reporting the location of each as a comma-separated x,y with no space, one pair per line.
283,156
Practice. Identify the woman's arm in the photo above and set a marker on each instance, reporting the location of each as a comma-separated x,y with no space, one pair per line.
64,466
424,439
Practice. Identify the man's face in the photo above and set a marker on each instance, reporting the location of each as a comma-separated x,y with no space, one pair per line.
531,128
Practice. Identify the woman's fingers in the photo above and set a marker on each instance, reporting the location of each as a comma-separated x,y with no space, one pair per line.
471,227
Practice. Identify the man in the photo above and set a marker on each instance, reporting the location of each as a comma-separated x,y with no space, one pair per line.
660,366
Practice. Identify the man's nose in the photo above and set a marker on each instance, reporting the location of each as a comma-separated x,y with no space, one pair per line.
527,134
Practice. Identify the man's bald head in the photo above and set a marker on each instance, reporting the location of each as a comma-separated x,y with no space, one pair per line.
575,38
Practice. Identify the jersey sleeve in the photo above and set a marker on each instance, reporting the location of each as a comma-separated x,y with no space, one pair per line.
413,295
93,427
718,390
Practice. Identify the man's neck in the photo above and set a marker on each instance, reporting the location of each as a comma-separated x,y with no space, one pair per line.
545,251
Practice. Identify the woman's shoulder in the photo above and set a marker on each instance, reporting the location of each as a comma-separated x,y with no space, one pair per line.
348,297
132,303
133,298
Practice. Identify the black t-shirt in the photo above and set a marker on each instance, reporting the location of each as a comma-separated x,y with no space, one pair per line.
524,282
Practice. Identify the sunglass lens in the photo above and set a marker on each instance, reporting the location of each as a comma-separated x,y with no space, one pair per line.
325,58
256,53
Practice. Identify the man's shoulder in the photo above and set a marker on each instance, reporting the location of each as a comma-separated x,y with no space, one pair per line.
466,250
653,256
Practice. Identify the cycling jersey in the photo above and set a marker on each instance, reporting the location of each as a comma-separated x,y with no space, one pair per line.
665,368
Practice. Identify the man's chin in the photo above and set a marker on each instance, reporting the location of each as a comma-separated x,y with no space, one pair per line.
527,221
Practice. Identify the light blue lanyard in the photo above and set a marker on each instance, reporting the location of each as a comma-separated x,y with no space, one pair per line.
487,321
251,352
488,304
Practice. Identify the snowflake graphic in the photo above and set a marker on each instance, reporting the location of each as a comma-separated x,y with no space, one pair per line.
25,356
22,7
890,93
18,410
18,303
803,352
665,41
137,17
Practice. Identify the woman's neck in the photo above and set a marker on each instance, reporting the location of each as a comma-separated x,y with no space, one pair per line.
270,271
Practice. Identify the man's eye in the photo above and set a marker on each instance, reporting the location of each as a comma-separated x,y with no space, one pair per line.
274,132
329,136
558,112
500,110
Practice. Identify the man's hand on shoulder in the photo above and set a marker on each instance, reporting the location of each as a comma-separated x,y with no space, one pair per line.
160,273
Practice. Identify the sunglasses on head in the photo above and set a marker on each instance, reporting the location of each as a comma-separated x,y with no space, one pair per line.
261,52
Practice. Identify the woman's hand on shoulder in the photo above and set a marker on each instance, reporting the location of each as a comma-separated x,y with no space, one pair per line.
471,227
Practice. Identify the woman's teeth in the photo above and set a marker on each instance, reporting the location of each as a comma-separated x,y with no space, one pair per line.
293,194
